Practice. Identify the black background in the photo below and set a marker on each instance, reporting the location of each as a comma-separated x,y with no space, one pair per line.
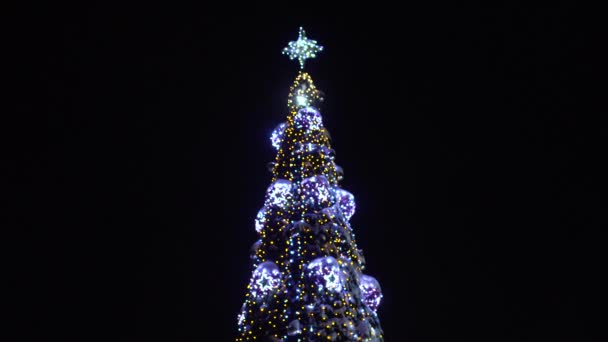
469,135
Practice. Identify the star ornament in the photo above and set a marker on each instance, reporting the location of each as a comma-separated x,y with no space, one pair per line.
302,49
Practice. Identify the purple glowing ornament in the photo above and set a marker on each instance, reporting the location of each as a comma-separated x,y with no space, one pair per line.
346,201
326,273
276,138
278,193
308,118
315,191
266,278
309,147
370,289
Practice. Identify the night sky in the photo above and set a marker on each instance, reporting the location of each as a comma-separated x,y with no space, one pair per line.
469,136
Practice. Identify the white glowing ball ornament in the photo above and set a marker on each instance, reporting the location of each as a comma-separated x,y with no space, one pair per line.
346,201
266,278
278,194
308,118
315,191
371,292
326,273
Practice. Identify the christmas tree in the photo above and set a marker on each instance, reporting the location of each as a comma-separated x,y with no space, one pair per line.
307,282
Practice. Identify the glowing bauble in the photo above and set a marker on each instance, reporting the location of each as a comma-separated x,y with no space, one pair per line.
276,138
371,292
266,278
261,219
308,118
315,191
326,273
278,193
346,201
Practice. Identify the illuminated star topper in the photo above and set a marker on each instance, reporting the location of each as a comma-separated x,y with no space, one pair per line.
302,49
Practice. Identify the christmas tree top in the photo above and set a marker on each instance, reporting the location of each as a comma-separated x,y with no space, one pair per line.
302,49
